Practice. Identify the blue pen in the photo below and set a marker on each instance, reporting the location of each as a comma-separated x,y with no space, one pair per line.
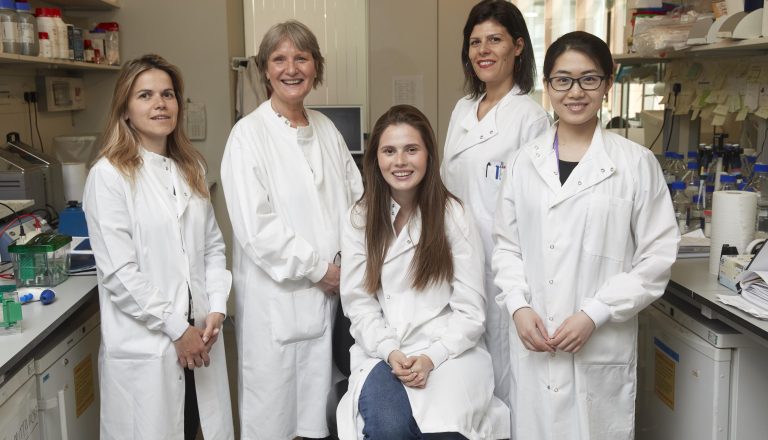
498,168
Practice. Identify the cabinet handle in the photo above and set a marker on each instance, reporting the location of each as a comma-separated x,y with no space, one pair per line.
63,416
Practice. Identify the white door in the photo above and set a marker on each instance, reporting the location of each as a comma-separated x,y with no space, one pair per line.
684,391
69,392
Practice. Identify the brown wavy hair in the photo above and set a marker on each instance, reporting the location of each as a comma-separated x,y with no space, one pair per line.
433,261
122,145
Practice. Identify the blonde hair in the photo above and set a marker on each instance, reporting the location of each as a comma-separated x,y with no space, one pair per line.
121,141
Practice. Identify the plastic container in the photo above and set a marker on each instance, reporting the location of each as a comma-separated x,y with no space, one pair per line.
111,42
70,42
98,40
43,261
27,30
87,51
681,204
692,179
707,222
47,25
675,169
759,185
727,182
46,49
9,27
63,40
10,311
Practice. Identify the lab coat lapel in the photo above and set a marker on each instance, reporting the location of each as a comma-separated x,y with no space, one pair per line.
593,168
160,188
544,160
408,238
477,132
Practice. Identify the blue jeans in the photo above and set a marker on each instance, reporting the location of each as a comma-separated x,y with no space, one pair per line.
386,410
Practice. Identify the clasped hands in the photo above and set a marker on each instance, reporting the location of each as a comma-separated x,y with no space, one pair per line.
193,346
570,337
412,371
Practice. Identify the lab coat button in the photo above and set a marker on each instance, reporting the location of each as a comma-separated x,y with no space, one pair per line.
388,296
490,132
538,155
551,318
547,386
555,390
602,170
551,246
555,173
552,355
551,281
579,182
611,168
409,241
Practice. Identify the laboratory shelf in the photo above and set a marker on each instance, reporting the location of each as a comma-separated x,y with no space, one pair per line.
741,48
102,5
49,63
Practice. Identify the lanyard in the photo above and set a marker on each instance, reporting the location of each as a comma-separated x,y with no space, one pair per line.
557,151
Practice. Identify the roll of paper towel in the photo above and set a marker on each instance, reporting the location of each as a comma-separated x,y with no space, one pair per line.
73,175
733,222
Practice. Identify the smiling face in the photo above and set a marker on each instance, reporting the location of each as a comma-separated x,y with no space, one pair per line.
402,158
152,109
577,107
492,52
291,73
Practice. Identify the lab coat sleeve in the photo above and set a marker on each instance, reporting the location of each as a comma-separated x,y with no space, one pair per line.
368,326
534,127
265,238
110,228
218,280
507,259
656,235
467,320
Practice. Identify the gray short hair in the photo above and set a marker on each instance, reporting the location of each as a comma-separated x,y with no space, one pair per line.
301,37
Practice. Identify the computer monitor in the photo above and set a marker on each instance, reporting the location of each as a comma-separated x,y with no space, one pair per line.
348,119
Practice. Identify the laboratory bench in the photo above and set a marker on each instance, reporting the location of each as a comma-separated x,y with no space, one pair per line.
40,321
692,282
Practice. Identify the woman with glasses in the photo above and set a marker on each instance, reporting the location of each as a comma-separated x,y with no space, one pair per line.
487,126
585,237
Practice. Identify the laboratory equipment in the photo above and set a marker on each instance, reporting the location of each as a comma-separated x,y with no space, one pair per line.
674,168
10,310
22,180
727,182
696,220
698,378
348,119
12,231
54,194
41,261
31,294
691,179
19,418
67,379
27,30
72,220
681,204
759,185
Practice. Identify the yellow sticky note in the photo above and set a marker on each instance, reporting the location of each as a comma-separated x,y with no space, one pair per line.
762,112
718,120
720,110
742,114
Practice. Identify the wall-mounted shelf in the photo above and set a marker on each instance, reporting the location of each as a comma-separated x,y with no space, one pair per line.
754,46
49,63
103,5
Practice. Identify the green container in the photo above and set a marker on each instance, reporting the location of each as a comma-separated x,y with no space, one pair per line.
43,261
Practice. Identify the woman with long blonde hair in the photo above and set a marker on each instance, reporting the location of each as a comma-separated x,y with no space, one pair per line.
162,277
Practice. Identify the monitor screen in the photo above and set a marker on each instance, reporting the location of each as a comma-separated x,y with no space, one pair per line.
348,119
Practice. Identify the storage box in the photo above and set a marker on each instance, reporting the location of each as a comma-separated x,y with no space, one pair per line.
731,266
43,261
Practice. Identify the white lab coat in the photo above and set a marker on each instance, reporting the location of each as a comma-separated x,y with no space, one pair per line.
152,249
287,190
444,321
603,243
473,151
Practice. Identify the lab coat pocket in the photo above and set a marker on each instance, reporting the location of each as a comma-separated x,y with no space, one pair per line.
608,395
298,316
607,227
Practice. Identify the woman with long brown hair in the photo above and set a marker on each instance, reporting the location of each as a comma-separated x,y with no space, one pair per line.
412,286
163,282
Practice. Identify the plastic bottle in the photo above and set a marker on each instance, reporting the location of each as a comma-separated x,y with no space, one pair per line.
63,41
693,156
669,157
9,27
692,179
70,42
47,25
748,166
759,185
727,182
681,204
87,51
696,221
27,30
709,190
46,50
111,42
97,37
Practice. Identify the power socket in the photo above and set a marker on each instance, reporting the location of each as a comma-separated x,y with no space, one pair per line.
30,97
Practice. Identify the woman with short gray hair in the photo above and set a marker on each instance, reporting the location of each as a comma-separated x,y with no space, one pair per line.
288,178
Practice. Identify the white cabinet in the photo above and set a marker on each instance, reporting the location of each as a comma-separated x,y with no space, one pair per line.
18,406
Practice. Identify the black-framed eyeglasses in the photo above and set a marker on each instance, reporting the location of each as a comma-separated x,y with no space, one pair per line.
586,82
